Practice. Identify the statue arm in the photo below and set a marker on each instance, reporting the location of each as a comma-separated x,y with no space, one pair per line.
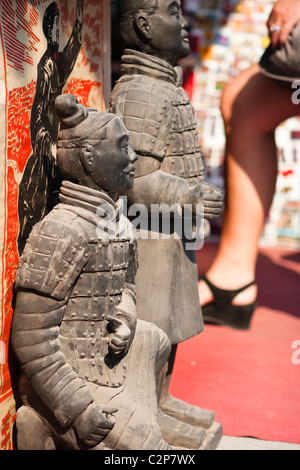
35,337
162,188
158,187
36,344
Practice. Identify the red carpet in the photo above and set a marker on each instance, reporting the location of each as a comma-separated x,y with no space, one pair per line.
249,378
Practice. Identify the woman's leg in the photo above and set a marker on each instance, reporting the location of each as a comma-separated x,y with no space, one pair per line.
252,107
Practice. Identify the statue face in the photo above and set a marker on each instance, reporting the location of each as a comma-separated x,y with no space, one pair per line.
113,160
169,35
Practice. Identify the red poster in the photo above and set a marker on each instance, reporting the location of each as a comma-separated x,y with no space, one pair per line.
46,48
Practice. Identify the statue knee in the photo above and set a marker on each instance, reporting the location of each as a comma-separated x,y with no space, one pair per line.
32,431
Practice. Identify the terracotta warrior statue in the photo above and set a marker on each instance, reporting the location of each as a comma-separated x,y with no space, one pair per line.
159,115
88,366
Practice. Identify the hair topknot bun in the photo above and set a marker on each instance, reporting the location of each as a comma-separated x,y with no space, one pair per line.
78,122
66,105
69,111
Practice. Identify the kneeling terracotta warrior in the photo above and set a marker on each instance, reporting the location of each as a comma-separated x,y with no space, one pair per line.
89,367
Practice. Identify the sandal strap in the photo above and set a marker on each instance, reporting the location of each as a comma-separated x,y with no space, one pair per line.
225,295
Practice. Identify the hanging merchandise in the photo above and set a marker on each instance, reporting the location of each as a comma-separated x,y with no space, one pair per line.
228,36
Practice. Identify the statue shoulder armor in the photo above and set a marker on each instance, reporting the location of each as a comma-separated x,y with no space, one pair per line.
53,258
146,109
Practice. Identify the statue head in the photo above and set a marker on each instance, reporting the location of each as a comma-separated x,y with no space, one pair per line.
93,148
51,25
156,27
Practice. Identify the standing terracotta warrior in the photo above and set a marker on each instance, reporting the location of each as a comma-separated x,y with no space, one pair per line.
159,115
89,367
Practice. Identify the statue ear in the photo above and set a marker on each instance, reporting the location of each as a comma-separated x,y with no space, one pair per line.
141,23
87,159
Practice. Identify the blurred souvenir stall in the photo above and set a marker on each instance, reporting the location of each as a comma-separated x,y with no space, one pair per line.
228,36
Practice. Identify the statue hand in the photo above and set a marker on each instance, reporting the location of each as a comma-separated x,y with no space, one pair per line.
212,200
207,195
93,424
120,340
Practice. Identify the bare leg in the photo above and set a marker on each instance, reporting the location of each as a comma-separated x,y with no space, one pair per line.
252,107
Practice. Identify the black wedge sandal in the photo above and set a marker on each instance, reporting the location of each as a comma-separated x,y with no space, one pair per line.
222,312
